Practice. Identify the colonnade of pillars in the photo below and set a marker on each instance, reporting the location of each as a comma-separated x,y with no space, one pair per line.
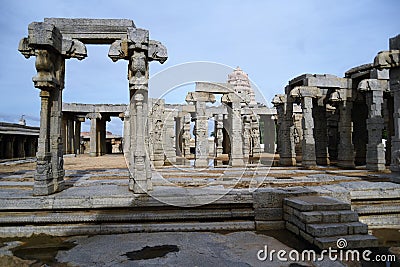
71,134
17,146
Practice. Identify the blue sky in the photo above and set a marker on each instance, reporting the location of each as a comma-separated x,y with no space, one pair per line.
273,41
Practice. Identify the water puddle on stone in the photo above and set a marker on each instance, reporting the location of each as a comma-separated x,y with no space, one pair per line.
147,253
41,249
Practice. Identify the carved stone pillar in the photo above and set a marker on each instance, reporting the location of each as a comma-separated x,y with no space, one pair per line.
186,136
375,123
169,138
278,102
9,147
395,164
345,158
140,181
201,128
246,137
255,135
307,93
391,60
70,137
95,118
308,144
21,147
77,134
156,132
45,41
2,149
178,136
286,129
219,125
126,140
235,129
321,135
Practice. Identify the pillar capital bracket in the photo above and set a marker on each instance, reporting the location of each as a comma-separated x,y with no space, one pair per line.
278,99
387,59
93,115
367,85
305,91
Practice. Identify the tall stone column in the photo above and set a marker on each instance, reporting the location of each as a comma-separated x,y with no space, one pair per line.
169,138
255,135
246,137
49,172
9,147
77,134
126,140
308,144
391,60
95,118
375,123
278,102
287,156
345,158
45,41
178,136
236,129
219,125
186,136
201,128
395,163
21,147
139,50
70,137
2,149
140,180
156,125
307,93
321,135
102,135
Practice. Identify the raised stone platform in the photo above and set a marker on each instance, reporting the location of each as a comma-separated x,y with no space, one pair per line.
97,200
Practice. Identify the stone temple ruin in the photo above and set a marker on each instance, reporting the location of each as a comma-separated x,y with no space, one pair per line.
332,174
344,119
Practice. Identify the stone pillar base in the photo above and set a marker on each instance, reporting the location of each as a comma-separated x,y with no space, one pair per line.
138,186
323,161
346,164
43,190
201,163
237,163
287,161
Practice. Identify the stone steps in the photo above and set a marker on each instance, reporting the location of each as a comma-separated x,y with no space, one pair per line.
322,220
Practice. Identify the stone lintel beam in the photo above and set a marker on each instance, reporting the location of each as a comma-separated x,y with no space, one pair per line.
319,80
305,91
200,97
367,85
92,31
387,59
217,88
